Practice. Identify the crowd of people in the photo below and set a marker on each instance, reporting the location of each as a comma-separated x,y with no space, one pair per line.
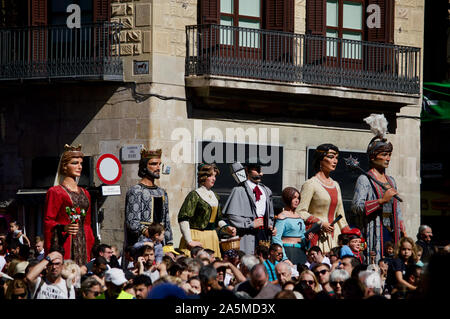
243,250
142,271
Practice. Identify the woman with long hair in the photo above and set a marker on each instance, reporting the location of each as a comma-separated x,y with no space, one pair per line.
321,199
290,229
67,215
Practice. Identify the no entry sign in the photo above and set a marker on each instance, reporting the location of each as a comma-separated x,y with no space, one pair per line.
109,169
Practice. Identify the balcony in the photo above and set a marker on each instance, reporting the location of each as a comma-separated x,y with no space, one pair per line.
91,52
289,59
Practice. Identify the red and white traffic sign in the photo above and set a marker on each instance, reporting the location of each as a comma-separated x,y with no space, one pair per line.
109,169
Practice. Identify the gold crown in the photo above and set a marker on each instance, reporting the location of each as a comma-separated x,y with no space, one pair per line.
151,153
69,148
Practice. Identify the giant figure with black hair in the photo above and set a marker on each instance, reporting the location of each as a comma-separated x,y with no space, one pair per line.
321,199
146,202
378,209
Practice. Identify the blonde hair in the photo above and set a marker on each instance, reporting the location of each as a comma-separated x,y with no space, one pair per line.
398,247
71,273
317,287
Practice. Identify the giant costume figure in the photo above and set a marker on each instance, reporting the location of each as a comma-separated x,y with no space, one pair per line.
250,209
74,235
146,202
378,209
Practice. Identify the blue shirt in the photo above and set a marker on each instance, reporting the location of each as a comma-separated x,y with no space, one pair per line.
271,269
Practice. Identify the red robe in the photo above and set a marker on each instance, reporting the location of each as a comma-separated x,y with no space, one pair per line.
56,202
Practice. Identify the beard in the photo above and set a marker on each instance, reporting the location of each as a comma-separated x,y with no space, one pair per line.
152,175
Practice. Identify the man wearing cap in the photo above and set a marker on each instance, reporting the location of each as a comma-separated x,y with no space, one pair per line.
249,208
146,202
115,281
379,210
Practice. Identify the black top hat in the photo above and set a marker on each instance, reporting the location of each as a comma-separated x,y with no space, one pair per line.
254,162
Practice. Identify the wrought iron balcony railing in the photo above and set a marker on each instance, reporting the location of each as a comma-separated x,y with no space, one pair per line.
281,56
89,52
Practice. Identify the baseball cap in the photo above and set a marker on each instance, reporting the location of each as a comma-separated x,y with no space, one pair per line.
116,276
170,249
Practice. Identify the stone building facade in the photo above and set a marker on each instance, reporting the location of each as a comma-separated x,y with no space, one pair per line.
150,105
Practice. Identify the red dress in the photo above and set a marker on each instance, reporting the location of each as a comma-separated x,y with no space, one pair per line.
57,200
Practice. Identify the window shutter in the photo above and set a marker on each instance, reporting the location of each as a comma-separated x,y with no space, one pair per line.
315,45
316,17
385,33
38,12
101,10
38,50
382,59
280,15
209,11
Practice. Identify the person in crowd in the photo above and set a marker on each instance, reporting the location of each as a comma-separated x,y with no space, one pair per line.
419,253
195,285
194,265
72,274
424,240
156,236
283,272
371,281
146,264
3,252
180,270
334,257
337,279
249,209
262,252
275,256
91,288
378,209
349,263
99,267
321,199
142,285
200,213
17,289
236,272
211,289
258,285
67,214
308,285
316,256
290,229
39,248
248,261
146,202
405,255
52,286
353,289
115,282
15,232
322,273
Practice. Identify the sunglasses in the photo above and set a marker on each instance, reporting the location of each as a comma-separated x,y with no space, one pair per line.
96,293
336,282
308,282
322,272
16,296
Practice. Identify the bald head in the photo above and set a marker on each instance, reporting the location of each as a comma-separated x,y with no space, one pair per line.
258,276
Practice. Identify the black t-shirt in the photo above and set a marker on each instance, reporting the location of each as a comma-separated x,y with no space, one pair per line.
395,265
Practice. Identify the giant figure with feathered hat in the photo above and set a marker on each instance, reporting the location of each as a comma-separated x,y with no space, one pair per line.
377,202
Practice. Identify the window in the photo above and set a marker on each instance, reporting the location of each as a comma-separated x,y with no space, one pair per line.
244,14
344,20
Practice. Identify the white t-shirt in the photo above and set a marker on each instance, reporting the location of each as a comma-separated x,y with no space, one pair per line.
53,291
2,262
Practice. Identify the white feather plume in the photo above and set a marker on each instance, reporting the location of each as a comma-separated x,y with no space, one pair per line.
378,124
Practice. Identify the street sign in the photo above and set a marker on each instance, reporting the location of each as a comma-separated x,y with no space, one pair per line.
109,169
